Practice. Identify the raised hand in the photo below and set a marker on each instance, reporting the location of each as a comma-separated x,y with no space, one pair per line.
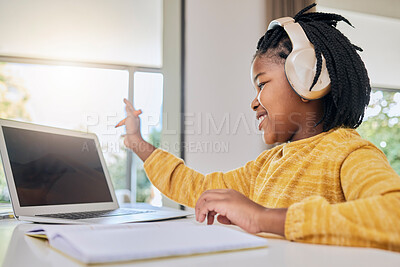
133,138
132,123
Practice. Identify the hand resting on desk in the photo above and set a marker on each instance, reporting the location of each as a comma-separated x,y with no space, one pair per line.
233,207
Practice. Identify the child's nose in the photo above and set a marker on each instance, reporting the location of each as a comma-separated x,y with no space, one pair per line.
255,104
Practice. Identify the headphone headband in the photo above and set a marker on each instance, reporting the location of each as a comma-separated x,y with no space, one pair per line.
295,32
280,22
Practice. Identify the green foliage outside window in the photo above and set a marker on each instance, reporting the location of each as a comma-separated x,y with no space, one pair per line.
383,128
13,98
117,170
4,197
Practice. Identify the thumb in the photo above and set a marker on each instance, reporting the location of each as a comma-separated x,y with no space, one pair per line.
137,112
223,219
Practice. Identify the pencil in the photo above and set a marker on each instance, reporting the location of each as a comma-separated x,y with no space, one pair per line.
120,123
136,113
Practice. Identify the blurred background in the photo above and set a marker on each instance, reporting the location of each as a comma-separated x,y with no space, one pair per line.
186,64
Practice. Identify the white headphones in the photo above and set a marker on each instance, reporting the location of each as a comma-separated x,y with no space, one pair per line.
300,65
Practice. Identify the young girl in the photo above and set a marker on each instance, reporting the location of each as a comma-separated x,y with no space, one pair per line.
324,184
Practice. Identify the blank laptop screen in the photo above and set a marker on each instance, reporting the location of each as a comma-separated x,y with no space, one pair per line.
53,169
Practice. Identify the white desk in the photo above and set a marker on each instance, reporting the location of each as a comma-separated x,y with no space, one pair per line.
17,249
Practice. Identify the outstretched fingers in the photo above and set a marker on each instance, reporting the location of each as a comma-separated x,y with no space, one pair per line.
130,110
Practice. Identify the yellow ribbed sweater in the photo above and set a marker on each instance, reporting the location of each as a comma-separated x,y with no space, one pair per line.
339,188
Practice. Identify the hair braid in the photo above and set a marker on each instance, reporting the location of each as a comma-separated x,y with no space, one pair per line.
334,94
356,73
341,72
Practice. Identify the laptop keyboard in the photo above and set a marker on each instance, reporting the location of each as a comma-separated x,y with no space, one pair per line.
95,214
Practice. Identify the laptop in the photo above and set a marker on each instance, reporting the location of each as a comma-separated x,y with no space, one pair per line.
60,176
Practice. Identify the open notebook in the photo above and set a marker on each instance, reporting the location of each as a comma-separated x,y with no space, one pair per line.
126,242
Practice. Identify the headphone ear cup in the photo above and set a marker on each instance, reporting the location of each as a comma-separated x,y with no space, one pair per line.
300,69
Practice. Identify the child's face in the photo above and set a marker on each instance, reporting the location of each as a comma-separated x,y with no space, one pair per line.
286,115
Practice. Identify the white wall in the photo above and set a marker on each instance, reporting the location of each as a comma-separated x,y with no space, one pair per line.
384,8
379,37
221,38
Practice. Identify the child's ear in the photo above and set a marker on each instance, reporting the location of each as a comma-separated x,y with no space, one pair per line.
304,100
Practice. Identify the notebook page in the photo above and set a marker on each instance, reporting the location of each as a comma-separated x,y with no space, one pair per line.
157,240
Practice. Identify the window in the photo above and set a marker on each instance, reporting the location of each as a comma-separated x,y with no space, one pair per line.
76,98
148,96
381,124
69,64
85,99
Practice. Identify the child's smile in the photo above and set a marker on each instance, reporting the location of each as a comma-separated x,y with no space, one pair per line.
261,116
282,115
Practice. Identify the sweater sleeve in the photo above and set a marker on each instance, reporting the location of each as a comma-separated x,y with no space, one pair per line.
370,217
184,185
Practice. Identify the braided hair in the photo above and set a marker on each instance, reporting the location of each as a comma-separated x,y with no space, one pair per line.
350,91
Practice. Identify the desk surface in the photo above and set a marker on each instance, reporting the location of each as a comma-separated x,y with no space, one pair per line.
17,249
